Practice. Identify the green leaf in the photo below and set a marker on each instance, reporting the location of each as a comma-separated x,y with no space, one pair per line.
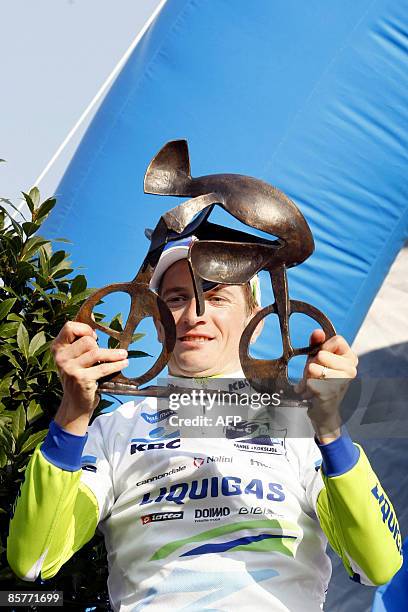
40,319
6,306
34,411
5,418
57,258
80,296
33,440
33,362
113,343
35,196
44,209
3,456
23,340
78,285
42,293
137,337
25,271
12,244
36,343
15,225
6,381
23,438
61,240
48,363
61,272
103,404
60,297
138,354
8,330
31,246
19,421
117,322
42,348
29,201
30,228
44,262
14,362
14,317
6,439
9,203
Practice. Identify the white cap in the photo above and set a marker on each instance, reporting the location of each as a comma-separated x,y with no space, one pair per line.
178,249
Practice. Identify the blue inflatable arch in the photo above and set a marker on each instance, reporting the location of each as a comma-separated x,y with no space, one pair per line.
313,101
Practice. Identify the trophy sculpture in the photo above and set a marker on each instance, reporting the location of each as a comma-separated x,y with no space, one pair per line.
220,255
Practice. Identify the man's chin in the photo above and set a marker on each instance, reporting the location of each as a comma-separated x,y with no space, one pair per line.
191,367
191,371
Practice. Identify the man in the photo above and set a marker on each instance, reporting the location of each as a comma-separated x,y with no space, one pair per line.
201,523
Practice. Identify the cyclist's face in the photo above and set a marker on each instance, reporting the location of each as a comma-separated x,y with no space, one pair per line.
206,344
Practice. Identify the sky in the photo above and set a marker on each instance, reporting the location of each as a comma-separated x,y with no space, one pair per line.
55,56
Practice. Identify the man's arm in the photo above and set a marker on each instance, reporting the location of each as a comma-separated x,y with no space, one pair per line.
356,515
81,363
354,511
55,516
55,513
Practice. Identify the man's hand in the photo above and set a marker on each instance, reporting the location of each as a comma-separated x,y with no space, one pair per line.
326,377
80,363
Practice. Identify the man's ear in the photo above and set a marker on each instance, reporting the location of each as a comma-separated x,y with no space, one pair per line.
160,330
258,328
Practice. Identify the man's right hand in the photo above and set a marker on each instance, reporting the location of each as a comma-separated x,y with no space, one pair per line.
80,363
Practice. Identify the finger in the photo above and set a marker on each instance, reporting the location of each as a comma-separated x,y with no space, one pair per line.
317,336
66,352
89,359
315,371
341,363
339,346
316,340
72,330
105,369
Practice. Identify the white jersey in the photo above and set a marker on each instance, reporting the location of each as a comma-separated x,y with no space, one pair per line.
206,524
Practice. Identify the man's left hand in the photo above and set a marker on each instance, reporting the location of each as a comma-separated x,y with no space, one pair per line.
326,377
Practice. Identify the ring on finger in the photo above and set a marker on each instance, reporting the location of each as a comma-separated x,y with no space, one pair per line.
323,374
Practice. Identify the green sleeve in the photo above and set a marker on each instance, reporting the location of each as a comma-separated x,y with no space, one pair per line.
55,515
360,523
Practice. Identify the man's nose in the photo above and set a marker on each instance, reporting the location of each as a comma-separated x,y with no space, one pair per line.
190,313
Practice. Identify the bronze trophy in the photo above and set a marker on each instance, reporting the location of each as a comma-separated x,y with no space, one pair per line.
219,255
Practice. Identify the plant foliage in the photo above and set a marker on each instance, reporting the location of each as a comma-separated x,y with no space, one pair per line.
38,294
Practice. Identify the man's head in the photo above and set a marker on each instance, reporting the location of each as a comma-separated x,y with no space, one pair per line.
208,344
179,249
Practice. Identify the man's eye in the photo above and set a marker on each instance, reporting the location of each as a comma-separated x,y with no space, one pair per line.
175,299
217,299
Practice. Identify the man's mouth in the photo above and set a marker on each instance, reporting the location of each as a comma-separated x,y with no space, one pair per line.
198,339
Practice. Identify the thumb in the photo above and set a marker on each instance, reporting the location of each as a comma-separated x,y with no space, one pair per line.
317,337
